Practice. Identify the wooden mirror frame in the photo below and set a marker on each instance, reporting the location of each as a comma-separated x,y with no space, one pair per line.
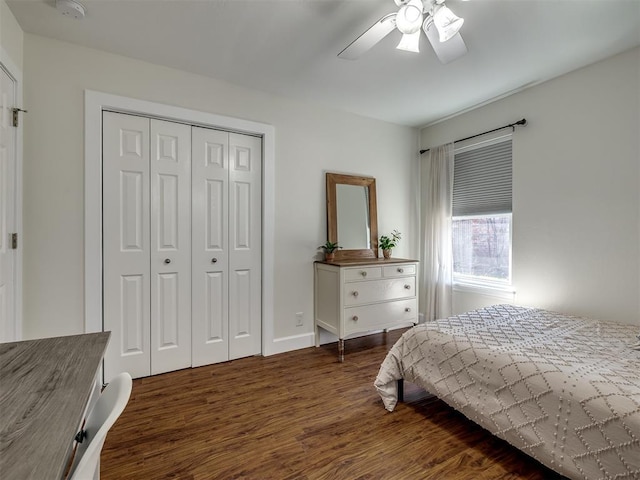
334,179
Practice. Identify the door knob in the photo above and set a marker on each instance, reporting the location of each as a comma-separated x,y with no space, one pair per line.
214,260
167,260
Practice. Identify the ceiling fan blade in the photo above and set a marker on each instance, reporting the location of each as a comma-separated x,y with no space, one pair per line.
368,39
447,51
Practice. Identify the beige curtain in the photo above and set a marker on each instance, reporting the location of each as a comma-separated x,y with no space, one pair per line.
435,251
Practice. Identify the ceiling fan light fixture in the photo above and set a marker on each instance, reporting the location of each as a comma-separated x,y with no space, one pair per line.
410,42
409,17
447,23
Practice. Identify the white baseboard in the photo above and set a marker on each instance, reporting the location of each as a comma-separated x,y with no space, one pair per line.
287,344
327,337
305,340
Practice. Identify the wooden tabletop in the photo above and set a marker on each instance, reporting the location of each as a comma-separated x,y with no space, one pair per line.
45,385
353,262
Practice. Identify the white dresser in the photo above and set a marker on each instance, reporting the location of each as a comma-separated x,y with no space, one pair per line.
356,296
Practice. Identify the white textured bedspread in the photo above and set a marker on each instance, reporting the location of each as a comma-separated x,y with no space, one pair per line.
565,390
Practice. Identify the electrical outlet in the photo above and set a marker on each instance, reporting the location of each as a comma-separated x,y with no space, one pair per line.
299,319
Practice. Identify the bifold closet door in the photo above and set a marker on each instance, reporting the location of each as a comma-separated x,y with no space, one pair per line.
126,259
227,235
210,251
170,246
146,244
245,245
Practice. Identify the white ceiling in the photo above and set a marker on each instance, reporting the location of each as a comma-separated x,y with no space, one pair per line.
289,47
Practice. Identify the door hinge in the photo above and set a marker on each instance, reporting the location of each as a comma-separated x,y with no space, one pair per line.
14,241
15,112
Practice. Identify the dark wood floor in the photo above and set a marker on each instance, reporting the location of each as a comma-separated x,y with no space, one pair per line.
300,415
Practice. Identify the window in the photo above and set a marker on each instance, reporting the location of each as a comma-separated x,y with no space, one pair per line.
481,229
482,248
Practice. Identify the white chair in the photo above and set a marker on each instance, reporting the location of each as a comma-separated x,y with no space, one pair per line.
108,407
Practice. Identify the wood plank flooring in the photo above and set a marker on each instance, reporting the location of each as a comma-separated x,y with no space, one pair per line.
300,415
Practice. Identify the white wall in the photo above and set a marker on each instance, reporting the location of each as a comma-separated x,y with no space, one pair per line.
11,37
576,184
309,141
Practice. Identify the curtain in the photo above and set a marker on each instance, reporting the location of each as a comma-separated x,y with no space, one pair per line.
435,250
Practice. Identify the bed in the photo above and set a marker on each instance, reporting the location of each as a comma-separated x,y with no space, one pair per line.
563,389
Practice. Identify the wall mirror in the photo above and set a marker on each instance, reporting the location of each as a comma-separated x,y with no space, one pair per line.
352,215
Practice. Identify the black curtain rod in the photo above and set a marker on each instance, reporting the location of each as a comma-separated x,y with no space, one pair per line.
513,125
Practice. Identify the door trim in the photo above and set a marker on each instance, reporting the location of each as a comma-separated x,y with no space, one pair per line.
94,104
14,72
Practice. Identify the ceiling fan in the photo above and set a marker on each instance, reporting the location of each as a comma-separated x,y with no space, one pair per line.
439,24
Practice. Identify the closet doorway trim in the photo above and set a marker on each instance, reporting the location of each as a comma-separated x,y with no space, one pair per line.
94,104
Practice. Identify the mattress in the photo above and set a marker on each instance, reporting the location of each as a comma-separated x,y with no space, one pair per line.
563,389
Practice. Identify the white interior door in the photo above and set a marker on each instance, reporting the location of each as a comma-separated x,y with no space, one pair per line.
210,307
245,245
126,244
8,255
170,246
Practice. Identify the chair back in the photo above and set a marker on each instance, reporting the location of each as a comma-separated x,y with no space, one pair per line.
109,406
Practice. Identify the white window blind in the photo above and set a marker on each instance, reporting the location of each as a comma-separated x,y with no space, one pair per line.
482,180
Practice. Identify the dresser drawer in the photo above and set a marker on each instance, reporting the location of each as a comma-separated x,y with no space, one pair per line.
399,270
358,293
379,316
364,273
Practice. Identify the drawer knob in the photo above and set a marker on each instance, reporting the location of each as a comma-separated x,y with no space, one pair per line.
214,260
355,294
401,270
354,318
364,274
407,287
167,261
407,309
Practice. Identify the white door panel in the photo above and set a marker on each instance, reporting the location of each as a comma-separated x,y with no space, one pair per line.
215,214
133,207
210,307
170,174
8,322
214,313
133,319
245,232
126,248
242,303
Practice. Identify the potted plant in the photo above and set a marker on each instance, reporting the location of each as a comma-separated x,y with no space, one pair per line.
388,242
329,249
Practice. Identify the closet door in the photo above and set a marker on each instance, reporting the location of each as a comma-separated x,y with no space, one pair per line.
170,174
126,251
210,307
245,245
8,254
182,245
146,244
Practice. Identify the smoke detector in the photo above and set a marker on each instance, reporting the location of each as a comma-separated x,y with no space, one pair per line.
70,8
